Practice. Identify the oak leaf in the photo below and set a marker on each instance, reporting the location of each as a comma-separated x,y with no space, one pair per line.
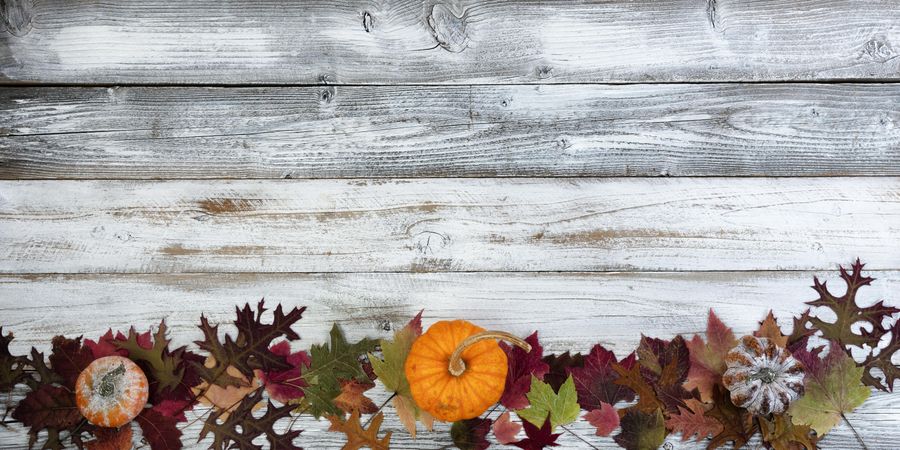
505,430
359,437
595,381
883,361
560,408
708,357
240,428
225,399
332,363
537,438
522,366
12,368
605,419
165,368
692,421
471,434
641,431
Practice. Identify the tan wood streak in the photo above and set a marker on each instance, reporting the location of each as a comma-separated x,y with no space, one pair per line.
507,41
382,131
424,225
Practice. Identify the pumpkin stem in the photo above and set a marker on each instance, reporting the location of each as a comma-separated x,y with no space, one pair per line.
458,366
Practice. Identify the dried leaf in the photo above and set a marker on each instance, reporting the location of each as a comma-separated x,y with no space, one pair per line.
12,368
830,393
522,366
537,438
111,438
505,430
165,368
471,434
596,380
664,366
286,385
780,434
631,378
883,361
560,366
605,419
641,431
159,430
240,428
330,364
408,413
692,421
48,407
770,330
560,407
359,437
738,425
708,358
225,399
848,312
68,358
352,397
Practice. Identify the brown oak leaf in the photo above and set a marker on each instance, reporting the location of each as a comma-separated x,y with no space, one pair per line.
359,437
692,421
352,397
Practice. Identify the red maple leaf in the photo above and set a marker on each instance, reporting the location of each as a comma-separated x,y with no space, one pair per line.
48,407
522,365
708,358
596,380
537,438
605,419
286,385
471,434
159,430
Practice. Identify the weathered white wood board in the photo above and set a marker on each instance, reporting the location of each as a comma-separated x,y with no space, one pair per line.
577,224
413,131
405,41
572,311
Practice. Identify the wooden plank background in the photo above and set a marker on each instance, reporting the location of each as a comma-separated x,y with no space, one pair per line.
590,169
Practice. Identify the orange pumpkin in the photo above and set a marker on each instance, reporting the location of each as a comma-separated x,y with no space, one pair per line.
456,370
111,391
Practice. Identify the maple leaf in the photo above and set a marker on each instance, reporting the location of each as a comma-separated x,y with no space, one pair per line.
664,365
352,397
831,391
780,434
389,369
106,344
505,430
68,358
12,368
111,438
240,428
286,385
770,330
641,431
708,358
250,349
357,436
595,381
330,364
631,378
522,366
45,376
848,312
471,434
560,366
883,361
160,431
738,425
48,407
560,407
692,421
605,419
537,438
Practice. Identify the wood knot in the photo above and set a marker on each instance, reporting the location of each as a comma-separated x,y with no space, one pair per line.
17,15
327,95
367,22
448,28
880,51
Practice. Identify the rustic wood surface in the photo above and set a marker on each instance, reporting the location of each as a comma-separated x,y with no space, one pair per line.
589,169
455,42
413,131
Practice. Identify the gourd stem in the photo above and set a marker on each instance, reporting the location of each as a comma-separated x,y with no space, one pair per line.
458,366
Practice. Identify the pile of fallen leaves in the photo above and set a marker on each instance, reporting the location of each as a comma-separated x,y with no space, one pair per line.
251,380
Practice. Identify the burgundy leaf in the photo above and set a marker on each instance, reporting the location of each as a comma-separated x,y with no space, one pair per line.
595,382
522,365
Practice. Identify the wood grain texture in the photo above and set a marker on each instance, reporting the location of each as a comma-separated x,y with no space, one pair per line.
579,224
572,311
389,42
347,131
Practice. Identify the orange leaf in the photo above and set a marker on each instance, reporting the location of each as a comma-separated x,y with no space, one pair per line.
111,439
359,437
352,397
769,329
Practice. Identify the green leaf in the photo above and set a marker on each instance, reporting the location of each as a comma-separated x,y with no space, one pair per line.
562,406
641,431
330,364
831,394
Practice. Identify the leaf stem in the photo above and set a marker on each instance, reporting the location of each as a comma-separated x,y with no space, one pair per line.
383,404
579,437
858,437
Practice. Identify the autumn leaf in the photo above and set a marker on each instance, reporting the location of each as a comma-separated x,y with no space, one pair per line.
359,437
664,366
781,434
286,385
708,358
159,430
605,419
522,366
641,431
330,364
68,358
632,379
225,399
240,428
595,382
883,361
692,421
471,434
48,407
830,393
352,397
12,368
537,438
408,413
561,407
770,330
738,425
505,430
250,349
848,312
560,366
111,439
